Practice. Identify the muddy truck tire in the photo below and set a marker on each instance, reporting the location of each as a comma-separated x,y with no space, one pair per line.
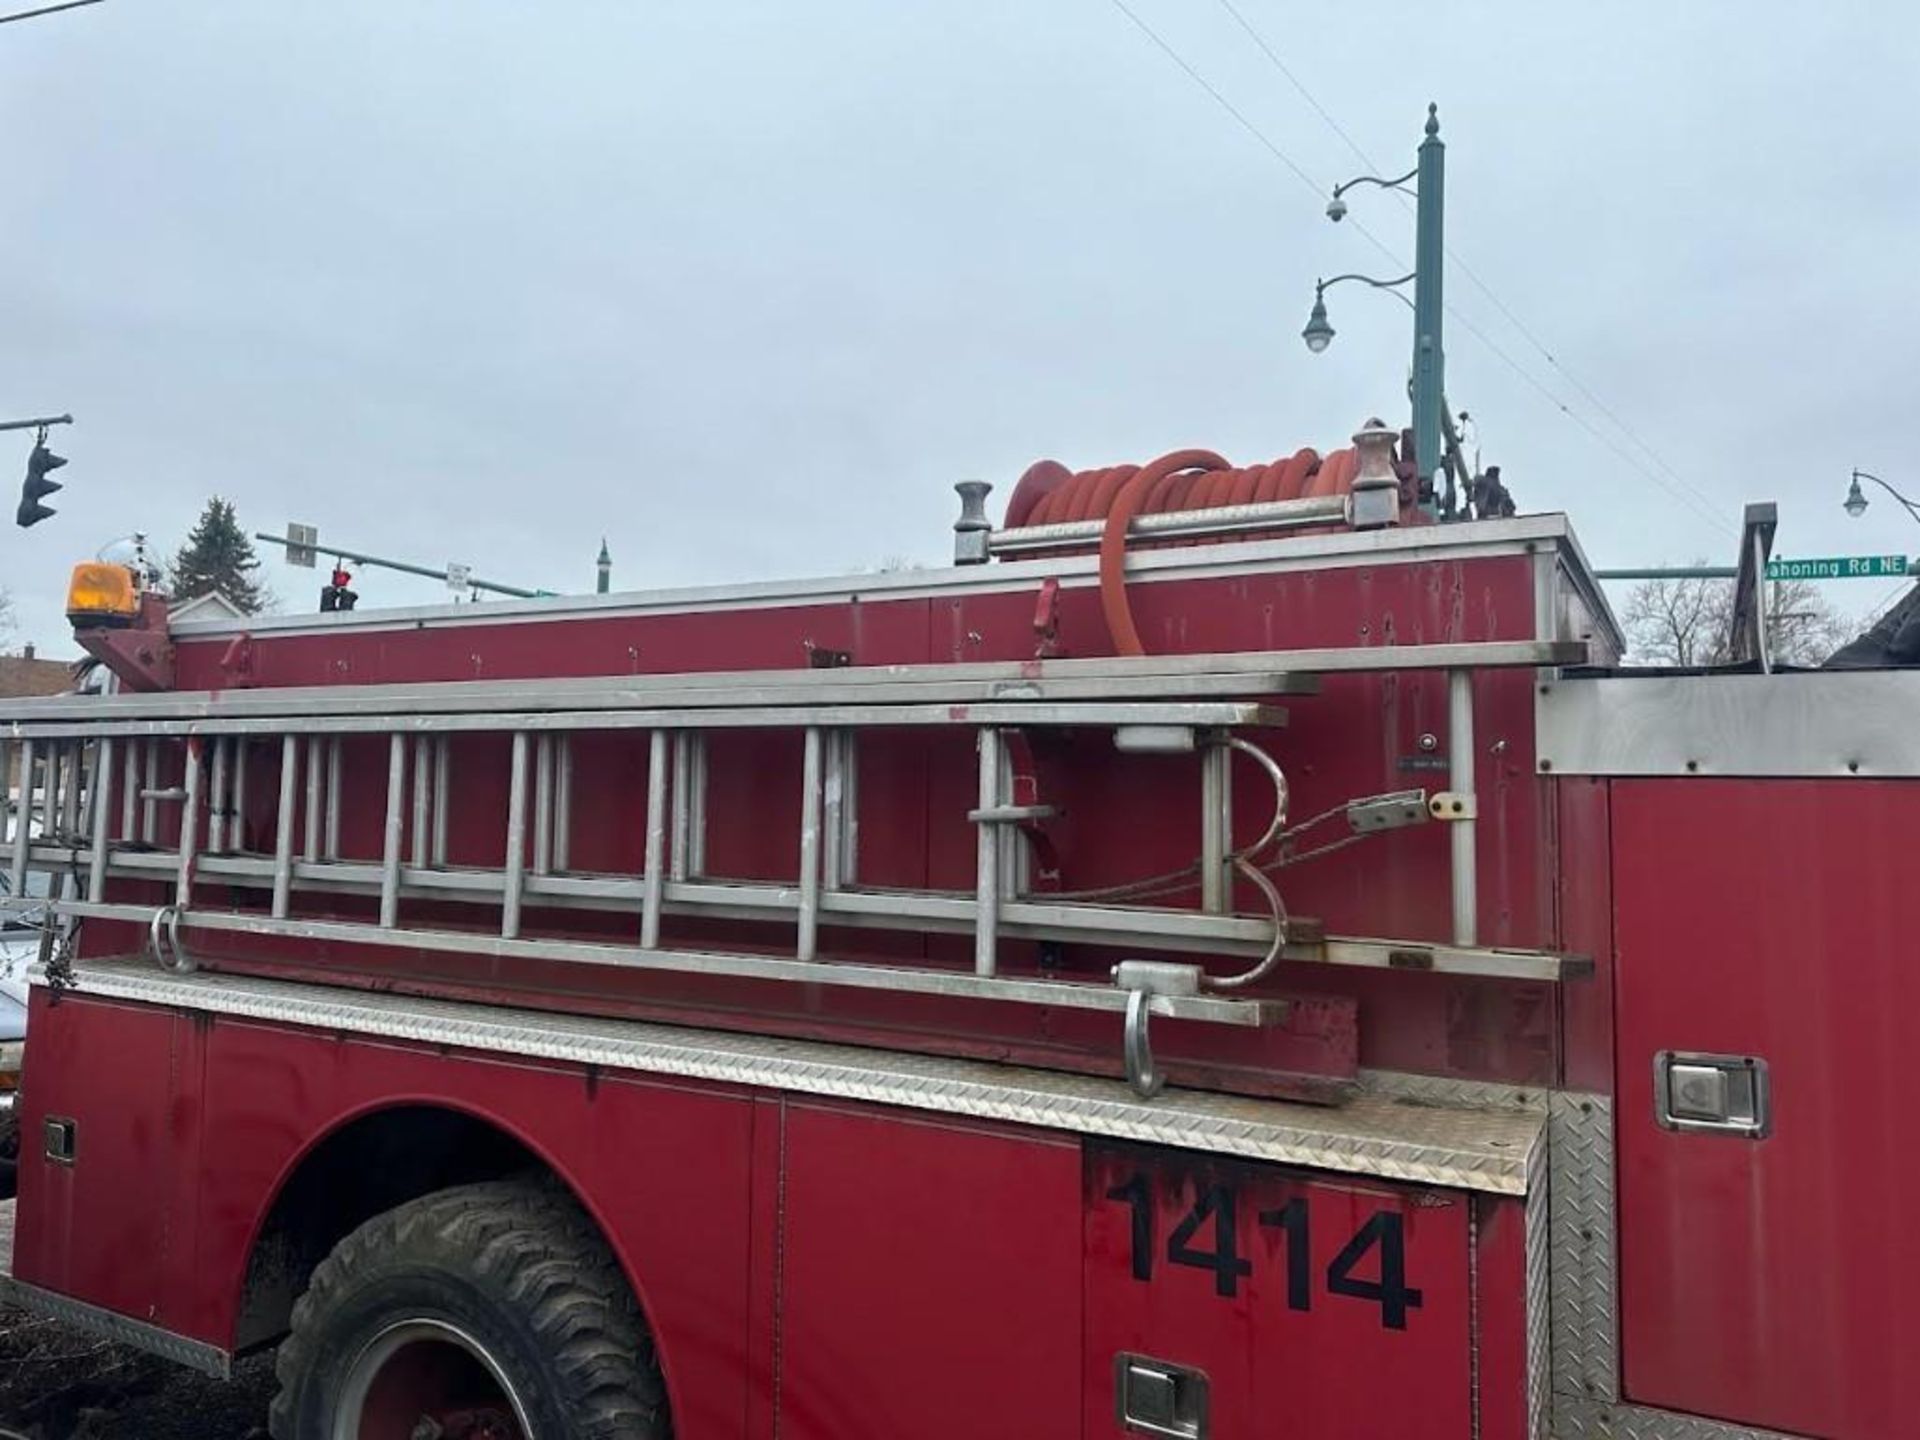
483,1312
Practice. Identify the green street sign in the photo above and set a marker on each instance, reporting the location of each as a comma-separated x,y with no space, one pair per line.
1839,567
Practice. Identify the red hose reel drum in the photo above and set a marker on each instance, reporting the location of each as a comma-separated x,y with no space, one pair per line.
1182,480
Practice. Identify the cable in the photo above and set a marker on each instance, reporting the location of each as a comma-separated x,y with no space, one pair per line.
1219,99
1467,270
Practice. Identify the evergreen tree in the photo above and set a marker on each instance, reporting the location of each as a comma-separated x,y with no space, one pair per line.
218,556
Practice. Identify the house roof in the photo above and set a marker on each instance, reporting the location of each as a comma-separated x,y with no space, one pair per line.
20,675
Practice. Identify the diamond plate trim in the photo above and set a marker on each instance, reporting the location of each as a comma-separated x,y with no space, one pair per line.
1539,1275
1445,1090
1577,1419
1488,1150
1586,1344
181,1349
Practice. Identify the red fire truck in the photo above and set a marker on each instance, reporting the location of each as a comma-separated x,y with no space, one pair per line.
1232,957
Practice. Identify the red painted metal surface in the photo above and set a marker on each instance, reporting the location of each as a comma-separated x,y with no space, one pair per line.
1772,1281
824,1270
1583,871
1124,816
931,1280
1236,1270
188,1135
1500,1316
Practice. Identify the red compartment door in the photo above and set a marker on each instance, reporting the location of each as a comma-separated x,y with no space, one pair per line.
1317,1308
1771,1281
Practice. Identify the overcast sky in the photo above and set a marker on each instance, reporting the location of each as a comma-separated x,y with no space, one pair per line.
746,286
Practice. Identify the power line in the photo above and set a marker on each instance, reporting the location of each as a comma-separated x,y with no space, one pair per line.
1225,104
1700,504
45,10
1273,57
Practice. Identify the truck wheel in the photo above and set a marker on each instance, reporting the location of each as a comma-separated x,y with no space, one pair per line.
485,1312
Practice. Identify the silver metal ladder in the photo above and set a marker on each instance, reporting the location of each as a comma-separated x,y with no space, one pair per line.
96,765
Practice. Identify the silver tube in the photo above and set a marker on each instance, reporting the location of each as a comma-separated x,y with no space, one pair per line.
422,798
396,826
656,839
516,858
129,785
543,805
849,838
72,779
283,826
50,788
237,821
810,788
6,785
335,754
442,770
217,803
23,820
836,815
189,824
102,819
149,807
987,919
1460,767
316,778
1213,843
689,858
563,803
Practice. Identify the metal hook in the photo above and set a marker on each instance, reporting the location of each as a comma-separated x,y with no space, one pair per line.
1146,1081
163,937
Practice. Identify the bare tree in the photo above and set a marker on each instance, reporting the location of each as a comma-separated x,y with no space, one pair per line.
6,614
1689,622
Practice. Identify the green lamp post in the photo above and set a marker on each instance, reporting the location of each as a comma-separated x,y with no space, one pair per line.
1428,177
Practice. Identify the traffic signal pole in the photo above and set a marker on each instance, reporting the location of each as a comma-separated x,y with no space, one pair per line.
405,567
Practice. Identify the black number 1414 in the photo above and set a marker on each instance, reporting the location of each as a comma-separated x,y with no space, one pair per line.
1214,1218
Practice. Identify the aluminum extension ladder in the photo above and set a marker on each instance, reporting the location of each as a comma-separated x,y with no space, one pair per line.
96,764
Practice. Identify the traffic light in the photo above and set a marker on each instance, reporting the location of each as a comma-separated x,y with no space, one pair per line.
335,595
32,511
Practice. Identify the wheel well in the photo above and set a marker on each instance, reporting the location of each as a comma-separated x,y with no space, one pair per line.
367,1166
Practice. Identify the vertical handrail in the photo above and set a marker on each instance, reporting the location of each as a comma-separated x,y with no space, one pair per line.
654,876
422,798
336,752
129,785
23,819
102,820
150,782
283,825
189,824
562,856
316,780
217,802
543,804
237,811
516,858
73,780
986,927
1460,779
395,830
442,772
810,807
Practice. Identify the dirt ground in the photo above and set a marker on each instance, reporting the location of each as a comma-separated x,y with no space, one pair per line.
59,1384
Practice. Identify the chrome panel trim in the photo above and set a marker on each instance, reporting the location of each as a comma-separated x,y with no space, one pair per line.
181,1349
1482,1150
1338,550
1840,723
